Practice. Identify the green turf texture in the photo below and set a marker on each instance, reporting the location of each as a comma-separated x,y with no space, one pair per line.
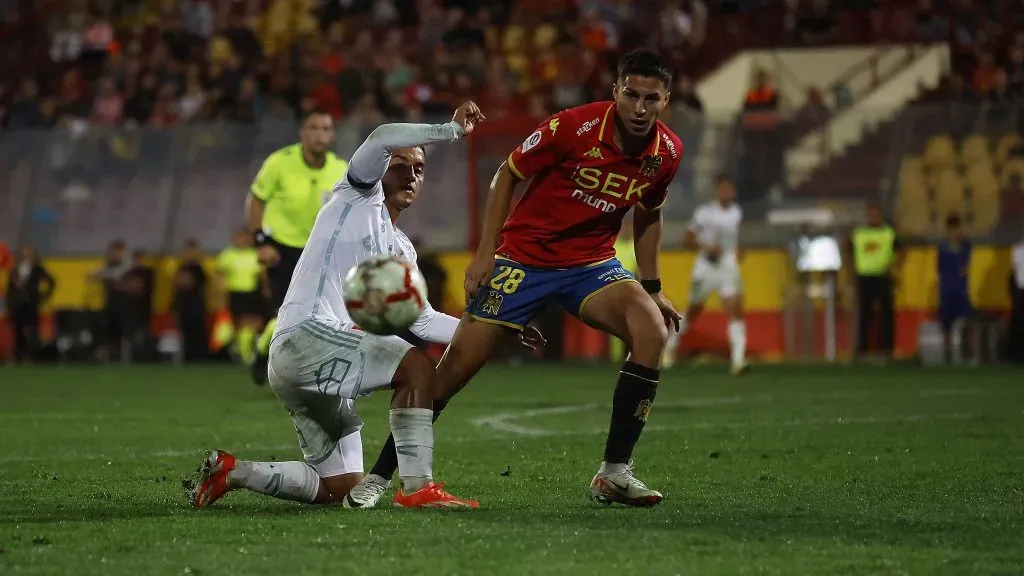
789,470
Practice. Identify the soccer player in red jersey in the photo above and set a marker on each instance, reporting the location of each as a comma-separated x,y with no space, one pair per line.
587,167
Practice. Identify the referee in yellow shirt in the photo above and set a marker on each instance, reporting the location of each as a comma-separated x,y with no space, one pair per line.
292,185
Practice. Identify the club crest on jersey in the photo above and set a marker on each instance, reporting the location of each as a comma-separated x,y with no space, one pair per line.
492,303
370,244
530,142
553,126
642,410
651,165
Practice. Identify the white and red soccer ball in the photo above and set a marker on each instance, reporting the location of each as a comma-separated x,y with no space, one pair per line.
385,294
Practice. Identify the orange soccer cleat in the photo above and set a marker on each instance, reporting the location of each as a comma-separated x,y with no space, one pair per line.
432,495
213,482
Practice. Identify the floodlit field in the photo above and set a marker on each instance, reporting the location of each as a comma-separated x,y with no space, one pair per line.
788,471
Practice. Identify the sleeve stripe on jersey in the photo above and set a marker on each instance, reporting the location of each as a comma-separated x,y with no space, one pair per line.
325,267
357,184
512,167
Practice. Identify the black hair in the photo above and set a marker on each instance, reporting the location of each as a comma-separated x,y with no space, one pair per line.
722,178
645,63
953,220
307,114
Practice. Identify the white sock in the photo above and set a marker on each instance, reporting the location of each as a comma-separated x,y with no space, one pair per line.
738,341
607,468
414,442
285,480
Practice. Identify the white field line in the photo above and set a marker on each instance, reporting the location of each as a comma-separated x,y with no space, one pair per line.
505,423
707,401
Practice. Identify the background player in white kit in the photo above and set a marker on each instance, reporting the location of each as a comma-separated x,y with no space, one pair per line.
715,231
320,362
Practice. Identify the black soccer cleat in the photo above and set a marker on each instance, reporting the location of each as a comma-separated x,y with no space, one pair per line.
259,366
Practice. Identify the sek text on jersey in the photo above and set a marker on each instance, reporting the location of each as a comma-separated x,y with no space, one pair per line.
579,144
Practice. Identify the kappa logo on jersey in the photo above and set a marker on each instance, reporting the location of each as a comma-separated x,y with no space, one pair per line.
530,142
492,303
670,145
553,126
587,127
595,152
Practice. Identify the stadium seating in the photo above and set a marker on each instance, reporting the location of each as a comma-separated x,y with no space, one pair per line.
964,179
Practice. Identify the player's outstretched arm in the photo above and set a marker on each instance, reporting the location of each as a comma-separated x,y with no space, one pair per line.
370,160
434,326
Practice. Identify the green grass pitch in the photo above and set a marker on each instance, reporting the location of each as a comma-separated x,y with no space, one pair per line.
788,470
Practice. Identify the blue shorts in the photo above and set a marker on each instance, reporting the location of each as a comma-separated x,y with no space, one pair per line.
953,307
516,293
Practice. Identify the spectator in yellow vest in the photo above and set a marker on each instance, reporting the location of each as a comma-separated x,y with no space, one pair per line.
875,252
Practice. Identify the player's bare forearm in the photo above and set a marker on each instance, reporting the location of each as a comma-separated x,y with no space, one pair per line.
647,242
690,241
254,213
499,199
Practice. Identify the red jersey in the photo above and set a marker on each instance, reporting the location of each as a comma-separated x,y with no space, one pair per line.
583,185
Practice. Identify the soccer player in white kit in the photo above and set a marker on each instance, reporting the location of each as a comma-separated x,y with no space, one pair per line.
715,231
320,361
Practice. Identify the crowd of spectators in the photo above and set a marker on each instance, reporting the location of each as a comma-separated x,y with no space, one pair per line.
987,43
165,63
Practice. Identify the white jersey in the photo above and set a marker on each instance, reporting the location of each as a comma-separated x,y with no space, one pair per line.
715,225
355,225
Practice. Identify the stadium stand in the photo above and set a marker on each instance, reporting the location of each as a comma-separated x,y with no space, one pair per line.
146,121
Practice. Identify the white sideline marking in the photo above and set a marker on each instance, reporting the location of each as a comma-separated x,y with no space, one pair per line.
504,422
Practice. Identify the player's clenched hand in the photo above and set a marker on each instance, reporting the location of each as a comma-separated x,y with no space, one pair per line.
478,273
531,338
672,317
268,256
467,116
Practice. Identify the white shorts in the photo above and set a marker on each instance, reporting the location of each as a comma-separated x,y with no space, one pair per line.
708,278
317,369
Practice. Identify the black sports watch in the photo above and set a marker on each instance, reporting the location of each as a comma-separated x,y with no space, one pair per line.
260,238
